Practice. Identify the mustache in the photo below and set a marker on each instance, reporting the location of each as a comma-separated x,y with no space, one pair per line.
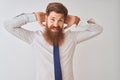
57,28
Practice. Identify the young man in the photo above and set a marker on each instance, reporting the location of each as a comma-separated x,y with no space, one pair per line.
55,17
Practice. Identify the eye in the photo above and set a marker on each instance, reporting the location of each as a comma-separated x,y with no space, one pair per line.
60,20
52,20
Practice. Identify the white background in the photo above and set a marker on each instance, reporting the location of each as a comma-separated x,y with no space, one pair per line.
95,59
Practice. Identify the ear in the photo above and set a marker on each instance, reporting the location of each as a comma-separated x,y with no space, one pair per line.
70,20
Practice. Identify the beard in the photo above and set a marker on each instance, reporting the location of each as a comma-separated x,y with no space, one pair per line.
54,38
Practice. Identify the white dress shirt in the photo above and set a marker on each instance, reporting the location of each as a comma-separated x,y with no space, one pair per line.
44,51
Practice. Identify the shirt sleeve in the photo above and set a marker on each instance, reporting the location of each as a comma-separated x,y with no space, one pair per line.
88,31
14,26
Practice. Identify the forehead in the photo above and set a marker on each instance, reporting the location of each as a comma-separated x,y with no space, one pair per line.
56,15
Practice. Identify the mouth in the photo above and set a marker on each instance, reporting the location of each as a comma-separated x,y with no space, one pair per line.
54,30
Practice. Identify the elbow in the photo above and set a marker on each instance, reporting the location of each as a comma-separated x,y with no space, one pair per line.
96,30
6,25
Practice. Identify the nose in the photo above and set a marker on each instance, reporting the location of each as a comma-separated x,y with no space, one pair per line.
56,24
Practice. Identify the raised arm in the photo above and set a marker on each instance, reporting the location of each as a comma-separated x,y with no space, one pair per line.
88,31
69,20
14,26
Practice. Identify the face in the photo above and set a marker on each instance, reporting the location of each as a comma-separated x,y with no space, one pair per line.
54,28
55,21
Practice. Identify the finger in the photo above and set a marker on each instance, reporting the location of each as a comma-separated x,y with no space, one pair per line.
65,27
41,24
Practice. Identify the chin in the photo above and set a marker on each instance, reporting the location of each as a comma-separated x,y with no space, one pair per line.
54,36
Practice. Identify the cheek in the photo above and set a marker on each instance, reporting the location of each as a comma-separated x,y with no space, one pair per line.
48,24
61,25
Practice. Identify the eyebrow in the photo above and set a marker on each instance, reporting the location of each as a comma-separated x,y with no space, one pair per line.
59,19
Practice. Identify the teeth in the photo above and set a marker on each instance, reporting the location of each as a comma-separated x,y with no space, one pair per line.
55,29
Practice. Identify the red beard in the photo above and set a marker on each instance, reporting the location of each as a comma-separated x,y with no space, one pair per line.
56,38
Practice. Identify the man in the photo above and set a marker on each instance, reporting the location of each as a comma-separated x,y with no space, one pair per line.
54,34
